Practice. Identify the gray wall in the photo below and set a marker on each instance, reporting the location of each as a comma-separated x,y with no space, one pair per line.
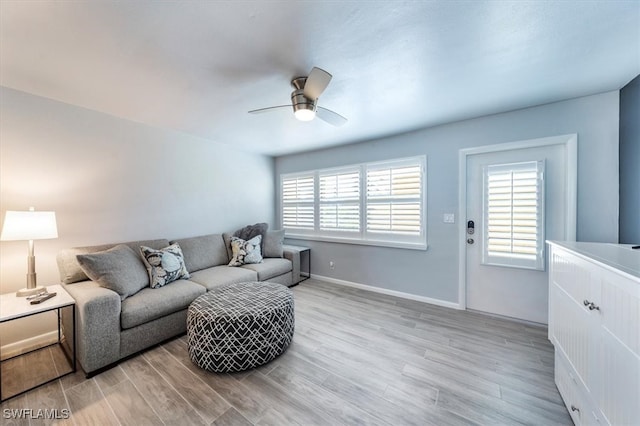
111,180
630,162
434,273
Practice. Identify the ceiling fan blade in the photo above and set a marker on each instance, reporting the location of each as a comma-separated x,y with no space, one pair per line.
261,110
330,117
317,81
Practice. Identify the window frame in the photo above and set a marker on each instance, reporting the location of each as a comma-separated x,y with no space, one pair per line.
362,236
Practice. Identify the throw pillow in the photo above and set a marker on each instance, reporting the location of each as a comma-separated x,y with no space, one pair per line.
226,237
118,269
250,231
273,244
245,252
165,265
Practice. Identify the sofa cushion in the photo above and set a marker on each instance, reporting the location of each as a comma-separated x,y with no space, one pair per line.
218,275
273,245
203,252
164,265
119,269
149,304
270,268
70,270
246,251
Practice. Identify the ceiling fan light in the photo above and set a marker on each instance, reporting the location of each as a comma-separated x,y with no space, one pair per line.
304,114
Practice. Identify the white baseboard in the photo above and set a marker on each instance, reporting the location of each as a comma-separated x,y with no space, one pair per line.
396,293
22,346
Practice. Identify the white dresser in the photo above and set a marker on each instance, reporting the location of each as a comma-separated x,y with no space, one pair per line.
594,325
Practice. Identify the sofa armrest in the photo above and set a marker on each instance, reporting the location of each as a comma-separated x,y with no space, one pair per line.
294,256
97,324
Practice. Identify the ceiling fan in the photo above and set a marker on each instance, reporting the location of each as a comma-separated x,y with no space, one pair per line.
304,99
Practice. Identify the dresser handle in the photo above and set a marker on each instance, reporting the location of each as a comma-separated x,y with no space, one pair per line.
592,306
574,408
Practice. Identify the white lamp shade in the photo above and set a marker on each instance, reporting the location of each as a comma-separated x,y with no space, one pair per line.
29,225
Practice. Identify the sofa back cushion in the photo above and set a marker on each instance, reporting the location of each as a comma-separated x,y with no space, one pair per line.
273,245
70,270
203,252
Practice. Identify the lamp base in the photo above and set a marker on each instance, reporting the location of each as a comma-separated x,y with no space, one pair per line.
24,292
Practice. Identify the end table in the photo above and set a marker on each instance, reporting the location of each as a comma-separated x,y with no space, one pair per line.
13,308
302,252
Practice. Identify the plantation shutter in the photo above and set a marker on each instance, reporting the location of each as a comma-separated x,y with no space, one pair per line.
339,206
298,194
394,198
514,215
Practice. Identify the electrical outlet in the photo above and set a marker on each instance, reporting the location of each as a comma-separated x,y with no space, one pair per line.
449,218
332,265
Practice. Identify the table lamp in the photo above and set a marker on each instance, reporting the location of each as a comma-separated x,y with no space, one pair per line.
29,225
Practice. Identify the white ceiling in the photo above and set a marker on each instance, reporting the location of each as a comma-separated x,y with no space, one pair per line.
199,66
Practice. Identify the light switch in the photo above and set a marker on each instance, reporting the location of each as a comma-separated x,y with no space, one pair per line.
449,218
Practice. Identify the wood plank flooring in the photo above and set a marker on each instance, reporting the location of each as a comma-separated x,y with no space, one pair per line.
357,357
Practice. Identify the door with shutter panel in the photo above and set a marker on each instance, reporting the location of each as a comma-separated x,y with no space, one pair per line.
516,199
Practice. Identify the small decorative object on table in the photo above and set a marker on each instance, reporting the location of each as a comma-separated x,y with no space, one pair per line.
40,297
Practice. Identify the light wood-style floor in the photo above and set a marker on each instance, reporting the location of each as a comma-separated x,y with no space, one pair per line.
357,358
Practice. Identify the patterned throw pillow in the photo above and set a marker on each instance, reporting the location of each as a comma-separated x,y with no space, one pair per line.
164,265
250,231
245,252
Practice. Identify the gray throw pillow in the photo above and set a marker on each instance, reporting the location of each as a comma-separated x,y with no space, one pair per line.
273,244
250,231
245,252
119,269
164,265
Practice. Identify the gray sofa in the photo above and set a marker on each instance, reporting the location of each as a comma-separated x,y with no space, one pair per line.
110,327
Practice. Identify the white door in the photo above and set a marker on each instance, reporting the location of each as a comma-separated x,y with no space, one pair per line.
506,270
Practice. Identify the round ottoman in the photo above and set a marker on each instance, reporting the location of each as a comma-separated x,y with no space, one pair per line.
239,326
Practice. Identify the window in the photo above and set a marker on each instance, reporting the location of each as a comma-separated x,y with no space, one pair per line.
298,202
514,215
340,201
394,199
374,203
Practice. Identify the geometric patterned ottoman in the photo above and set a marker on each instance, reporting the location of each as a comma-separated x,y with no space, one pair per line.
239,326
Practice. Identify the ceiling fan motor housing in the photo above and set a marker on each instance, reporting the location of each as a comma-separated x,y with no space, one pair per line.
298,99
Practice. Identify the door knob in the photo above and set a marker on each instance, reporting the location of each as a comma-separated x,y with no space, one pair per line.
470,241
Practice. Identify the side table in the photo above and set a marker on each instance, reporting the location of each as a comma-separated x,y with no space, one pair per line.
304,252
13,308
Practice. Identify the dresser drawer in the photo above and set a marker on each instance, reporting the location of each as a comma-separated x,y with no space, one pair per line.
575,396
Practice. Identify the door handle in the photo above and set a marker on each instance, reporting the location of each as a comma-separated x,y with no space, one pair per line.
470,241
